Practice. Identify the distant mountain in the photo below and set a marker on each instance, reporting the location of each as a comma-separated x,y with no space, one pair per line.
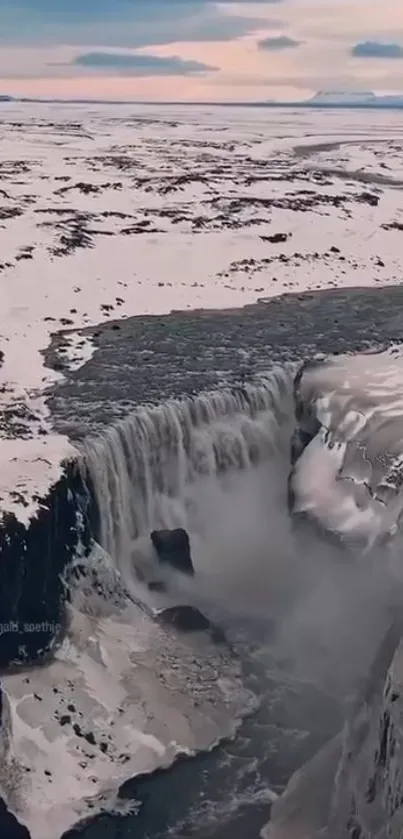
359,99
4,98
336,97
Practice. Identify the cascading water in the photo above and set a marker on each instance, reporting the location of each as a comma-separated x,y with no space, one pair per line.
217,465
143,469
302,616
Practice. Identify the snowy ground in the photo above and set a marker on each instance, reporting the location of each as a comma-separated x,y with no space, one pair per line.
110,211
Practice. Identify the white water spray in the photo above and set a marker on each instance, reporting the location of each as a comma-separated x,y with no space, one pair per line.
142,469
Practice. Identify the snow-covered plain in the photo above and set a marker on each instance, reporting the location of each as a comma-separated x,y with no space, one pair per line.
110,211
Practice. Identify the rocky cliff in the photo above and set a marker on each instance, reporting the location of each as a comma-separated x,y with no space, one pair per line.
368,788
353,789
33,559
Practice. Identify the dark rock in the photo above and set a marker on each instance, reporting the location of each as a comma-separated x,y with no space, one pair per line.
10,828
65,719
218,635
394,225
368,198
290,492
90,738
173,547
299,441
33,558
276,238
187,618
157,585
307,428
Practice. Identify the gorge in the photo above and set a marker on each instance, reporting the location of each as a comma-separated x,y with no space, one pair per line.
309,623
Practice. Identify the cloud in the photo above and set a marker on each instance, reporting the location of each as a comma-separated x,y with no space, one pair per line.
40,41
376,49
125,23
141,65
282,42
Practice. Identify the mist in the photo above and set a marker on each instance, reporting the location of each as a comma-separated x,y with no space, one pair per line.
219,467
319,608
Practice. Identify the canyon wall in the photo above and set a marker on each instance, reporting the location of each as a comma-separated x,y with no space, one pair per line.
33,559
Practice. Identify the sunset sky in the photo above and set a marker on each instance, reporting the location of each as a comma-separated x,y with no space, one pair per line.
199,49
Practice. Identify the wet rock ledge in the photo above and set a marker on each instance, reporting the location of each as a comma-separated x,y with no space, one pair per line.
32,562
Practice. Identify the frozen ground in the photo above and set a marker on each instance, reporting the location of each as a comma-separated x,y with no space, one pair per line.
111,211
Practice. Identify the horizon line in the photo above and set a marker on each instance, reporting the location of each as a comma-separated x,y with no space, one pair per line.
378,103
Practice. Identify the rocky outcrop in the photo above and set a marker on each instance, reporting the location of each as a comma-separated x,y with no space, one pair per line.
306,429
173,547
190,619
33,558
368,789
302,811
10,828
187,618
353,788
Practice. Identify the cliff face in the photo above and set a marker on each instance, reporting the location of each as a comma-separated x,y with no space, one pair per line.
353,788
32,561
368,788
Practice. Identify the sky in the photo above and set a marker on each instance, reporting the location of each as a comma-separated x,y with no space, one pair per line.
199,50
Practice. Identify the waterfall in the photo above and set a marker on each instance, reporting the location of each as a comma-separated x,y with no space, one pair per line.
142,469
